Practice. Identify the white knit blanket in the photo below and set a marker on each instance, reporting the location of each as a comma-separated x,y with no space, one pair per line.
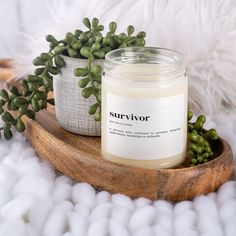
35,200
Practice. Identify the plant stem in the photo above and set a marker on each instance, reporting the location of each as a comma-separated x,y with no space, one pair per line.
89,68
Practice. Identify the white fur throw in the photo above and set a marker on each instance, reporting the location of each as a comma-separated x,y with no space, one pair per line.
203,31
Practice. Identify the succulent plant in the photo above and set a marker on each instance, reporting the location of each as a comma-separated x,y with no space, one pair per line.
93,45
199,149
90,45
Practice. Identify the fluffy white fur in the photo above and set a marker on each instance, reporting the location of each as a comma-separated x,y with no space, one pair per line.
203,31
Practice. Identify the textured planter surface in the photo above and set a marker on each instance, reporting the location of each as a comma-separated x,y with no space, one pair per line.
71,107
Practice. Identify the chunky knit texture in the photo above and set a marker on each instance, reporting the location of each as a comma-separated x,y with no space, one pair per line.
35,200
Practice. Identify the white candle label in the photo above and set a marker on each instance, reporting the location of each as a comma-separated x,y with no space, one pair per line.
145,128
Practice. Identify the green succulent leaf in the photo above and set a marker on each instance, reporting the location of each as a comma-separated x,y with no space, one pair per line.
30,114
14,90
87,23
49,63
40,95
98,97
95,22
59,49
34,79
69,38
112,27
86,92
20,127
96,69
25,84
45,56
11,105
7,117
84,38
123,36
77,33
72,52
39,71
47,82
99,54
53,70
35,105
8,134
93,108
23,110
106,49
98,38
4,94
107,40
19,101
130,30
32,87
201,119
115,43
59,61
7,126
97,116
51,39
123,45
141,34
90,42
85,52
95,47
190,115
211,134
84,82
2,102
80,72
97,78
100,28
140,42
42,104
132,41
38,62
76,45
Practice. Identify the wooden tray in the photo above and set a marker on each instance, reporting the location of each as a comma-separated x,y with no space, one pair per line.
79,157
6,71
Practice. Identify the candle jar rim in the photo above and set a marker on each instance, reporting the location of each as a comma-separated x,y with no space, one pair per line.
167,63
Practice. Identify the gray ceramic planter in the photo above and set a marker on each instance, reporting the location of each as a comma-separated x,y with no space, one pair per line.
71,107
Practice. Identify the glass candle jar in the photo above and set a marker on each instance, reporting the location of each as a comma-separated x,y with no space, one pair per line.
144,107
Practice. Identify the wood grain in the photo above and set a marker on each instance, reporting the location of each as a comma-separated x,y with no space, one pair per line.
79,157
6,71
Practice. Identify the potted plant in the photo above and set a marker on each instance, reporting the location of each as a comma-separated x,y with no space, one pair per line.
77,62
82,56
